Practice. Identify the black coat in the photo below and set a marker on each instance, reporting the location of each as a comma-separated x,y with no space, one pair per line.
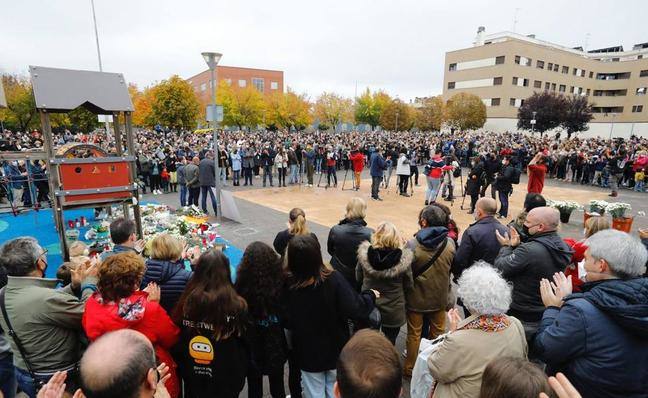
281,241
504,179
172,278
540,257
318,317
342,245
473,183
478,242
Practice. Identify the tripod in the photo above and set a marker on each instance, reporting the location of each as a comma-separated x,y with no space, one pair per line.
320,180
353,188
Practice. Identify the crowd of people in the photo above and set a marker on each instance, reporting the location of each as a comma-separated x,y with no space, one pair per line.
181,161
506,309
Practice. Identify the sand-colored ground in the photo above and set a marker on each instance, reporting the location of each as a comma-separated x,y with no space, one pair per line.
327,206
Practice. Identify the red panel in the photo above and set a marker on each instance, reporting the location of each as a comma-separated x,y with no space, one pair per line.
95,175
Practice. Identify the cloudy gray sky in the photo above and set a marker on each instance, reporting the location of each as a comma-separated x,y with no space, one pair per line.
331,45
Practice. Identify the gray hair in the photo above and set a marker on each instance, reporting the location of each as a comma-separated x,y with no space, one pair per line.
19,256
625,254
484,291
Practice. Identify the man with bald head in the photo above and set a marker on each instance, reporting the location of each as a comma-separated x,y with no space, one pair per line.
121,364
479,242
526,264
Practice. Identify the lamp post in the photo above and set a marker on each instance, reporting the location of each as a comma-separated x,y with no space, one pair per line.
612,126
533,122
212,60
94,21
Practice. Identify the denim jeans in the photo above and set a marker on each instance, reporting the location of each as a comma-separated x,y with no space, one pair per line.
194,194
294,169
223,174
318,385
267,172
504,203
375,186
7,377
639,186
204,190
236,175
183,195
432,189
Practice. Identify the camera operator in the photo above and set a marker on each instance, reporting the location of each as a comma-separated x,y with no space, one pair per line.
537,170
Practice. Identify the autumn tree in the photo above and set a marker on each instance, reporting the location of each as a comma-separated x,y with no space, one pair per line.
431,115
550,112
397,116
82,119
21,108
333,109
242,107
174,103
465,111
285,110
578,115
369,107
142,100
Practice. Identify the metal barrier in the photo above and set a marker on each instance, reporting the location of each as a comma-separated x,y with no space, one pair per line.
24,183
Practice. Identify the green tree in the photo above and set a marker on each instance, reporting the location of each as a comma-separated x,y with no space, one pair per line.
241,107
285,110
550,112
333,109
174,103
21,109
397,116
82,119
578,115
369,107
431,115
465,111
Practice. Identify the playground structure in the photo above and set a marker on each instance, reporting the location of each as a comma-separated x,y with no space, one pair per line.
83,175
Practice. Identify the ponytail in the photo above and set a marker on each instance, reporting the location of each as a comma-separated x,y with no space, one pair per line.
298,220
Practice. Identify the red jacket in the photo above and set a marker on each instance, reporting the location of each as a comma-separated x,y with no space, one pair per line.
537,174
146,317
358,161
578,256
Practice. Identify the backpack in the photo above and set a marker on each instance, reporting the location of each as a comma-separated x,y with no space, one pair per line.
515,177
456,172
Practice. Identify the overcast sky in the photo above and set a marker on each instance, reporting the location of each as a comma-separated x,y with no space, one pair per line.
331,45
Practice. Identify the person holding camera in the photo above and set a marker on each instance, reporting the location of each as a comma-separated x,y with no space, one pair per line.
537,170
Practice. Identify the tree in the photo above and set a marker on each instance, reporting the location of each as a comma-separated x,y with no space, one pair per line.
174,103
241,107
550,110
333,109
21,108
369,107
578,115
431,115
397,115
285,110
465,111
82,119
142,100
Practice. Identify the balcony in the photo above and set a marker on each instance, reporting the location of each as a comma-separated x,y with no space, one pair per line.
610,93
613,76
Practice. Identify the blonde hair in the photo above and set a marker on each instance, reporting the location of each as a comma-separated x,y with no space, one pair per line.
386,237
356,209
166,247
298,222
595,224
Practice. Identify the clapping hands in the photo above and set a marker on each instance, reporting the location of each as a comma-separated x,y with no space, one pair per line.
553,293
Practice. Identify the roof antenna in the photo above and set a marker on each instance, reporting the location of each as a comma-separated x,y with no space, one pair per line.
515,19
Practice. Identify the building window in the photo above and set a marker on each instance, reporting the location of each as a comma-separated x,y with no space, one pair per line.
582,73
587,93
591,74
643,73
274,85
451,85
258,83
452,67
515,79
499,60
497,81
562,88
517,59
641,91
540,64
550,66
522,60
242,83
547,86
228,82
556,66
553,86
525,83
580,91
637,108
512,102
495,101
571,90
565,69
203,87
575,71
537,84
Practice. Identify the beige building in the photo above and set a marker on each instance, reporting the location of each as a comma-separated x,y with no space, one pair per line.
505,68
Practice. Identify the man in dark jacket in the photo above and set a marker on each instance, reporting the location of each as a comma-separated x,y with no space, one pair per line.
599,338
491,167
377,169
182,181
526,264
207,178
344,239
503,184
192,173
479,242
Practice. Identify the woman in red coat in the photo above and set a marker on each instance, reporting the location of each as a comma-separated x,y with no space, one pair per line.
118,304
592,226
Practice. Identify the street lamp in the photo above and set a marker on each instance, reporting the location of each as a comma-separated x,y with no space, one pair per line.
612,126
212,60
533,122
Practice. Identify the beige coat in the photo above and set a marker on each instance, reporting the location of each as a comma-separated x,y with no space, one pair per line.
459,362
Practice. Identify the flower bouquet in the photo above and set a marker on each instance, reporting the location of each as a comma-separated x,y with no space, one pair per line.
620,220
597,206
565,207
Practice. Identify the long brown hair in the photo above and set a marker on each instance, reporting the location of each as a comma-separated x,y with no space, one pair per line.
298,222
304,262
210,297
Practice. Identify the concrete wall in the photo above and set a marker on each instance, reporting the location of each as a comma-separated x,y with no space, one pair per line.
595,129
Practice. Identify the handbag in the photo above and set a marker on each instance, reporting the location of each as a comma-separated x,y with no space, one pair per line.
423,384
38,382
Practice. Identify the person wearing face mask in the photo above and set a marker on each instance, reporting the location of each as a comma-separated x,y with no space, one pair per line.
525,264
597,338
592,226
46,321
503,184
473,183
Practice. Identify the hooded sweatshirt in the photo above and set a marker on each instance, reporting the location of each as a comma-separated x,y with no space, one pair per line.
389,271
599,338
172,278
137,313
540,257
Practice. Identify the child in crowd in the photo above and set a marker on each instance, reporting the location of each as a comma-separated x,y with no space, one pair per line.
639,178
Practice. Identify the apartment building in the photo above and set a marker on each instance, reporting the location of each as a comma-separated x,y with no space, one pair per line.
264,80
505,68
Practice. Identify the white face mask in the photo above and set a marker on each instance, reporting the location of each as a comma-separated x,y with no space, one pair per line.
582,273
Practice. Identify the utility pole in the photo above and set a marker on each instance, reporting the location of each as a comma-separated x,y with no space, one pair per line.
94,20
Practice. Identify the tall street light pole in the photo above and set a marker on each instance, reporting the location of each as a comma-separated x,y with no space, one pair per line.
94,20
212,60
